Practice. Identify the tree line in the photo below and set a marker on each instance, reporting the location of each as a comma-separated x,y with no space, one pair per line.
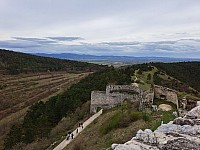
16,62
42,117
187,72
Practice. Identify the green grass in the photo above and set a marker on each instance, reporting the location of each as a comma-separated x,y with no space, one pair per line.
164,76
133,77
145,86
111,124
134,116
193,97
119,120
142,78
109,127
165,116
92,139
189,96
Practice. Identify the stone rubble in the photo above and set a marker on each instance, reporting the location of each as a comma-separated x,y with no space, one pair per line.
194,113
179,134
185,144
183,121
173,128
127,147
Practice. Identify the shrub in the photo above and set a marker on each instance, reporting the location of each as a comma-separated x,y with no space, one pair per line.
112,123
124,121
145,116
134,116
149,76
155,125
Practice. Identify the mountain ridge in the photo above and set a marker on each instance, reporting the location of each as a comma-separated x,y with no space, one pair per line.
110,58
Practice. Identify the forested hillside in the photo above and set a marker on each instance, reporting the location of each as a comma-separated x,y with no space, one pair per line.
187,72
42,117
16,62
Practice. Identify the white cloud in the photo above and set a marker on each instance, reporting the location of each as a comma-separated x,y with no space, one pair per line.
99,21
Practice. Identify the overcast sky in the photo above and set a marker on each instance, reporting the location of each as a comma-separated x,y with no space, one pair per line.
103,27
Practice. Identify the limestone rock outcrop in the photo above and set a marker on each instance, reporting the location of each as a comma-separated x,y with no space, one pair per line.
127,147
194,113
179,134
183,121
182,143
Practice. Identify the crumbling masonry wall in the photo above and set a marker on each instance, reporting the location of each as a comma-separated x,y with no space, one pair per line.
166,93
113,97
101,100
116,94
147,99
111,88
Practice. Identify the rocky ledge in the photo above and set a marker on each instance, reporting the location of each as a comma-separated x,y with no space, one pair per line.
179,134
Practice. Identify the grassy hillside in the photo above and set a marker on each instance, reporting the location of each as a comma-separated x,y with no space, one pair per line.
178,76
16,62
115,126
145,75
187,72
43,117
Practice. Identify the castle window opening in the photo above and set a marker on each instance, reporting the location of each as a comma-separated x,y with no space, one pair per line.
163,97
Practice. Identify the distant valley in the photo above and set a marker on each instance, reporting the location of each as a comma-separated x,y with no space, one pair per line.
114,60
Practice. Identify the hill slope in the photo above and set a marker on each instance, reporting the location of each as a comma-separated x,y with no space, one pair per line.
43,117
16,62
117,126
187,72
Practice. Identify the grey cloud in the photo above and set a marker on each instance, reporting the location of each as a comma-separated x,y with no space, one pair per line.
185,48
163,42
17,44
65,38
182,33
194,40
26,43
120,43
140,22
35,40
29,39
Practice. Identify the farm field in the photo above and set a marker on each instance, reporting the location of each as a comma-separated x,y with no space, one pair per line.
18,92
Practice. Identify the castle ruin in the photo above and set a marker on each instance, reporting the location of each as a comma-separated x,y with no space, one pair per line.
167,94
116,94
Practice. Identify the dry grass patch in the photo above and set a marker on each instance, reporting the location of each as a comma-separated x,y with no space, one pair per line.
18,92
92,138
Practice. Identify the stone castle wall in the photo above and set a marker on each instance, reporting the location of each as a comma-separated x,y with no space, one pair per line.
169,94
99,99
109,99
148,96
111,88
147,99
116,94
